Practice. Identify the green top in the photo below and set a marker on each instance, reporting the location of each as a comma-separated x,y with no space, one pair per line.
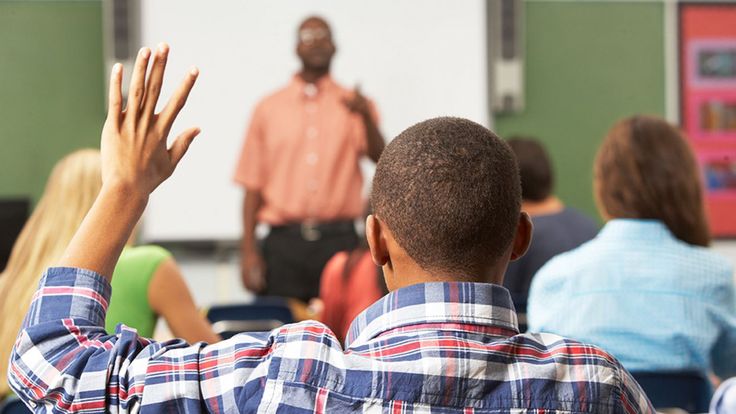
129,301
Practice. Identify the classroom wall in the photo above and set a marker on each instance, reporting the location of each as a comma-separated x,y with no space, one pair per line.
407,82
51,88
587,65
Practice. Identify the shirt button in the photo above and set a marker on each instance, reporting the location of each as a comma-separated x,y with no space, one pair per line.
312,158
311,132
313,185
311,108
310,90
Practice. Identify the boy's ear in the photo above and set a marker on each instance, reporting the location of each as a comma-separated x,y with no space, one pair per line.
523,237
376,240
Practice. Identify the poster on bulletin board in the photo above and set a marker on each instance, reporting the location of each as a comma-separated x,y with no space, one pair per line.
707,49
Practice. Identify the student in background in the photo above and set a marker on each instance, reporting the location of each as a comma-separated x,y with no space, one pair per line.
447,220
646,289
148,282
557,228
351,282
150,285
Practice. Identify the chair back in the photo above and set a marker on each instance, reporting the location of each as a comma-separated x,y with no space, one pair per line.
13,216
264,314
689,391
13,406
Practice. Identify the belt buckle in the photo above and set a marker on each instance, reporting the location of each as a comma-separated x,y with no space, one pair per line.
310,231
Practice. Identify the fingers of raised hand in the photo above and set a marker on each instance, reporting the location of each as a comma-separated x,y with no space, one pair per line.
181,144
115,98
137,84
168,115
134,140
350,102
356,103
155,80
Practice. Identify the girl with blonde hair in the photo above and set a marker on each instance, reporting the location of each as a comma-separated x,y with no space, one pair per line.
149,285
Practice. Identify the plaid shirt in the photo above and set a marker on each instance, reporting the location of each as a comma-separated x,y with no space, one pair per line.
429,348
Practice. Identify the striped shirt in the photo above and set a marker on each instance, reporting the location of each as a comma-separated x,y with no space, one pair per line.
427,348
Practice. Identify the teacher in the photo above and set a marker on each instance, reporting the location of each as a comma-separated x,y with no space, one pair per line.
300,170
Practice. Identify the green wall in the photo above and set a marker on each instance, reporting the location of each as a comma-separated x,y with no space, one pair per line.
587,65
51,88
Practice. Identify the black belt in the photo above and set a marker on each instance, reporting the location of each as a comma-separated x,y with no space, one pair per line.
315,230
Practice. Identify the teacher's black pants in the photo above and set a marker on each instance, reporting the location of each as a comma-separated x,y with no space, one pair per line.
296,253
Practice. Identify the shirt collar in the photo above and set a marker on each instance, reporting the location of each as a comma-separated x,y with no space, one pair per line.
482,304
635,229
303,88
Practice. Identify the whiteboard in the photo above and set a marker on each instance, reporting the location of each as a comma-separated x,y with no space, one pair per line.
415,58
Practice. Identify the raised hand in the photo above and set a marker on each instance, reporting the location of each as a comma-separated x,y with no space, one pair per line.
134,149
135,160
357,102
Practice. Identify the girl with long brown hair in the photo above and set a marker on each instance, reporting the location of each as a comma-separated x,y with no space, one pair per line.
647,288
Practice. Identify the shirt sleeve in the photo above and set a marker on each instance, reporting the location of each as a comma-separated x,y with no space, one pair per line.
724,399
633,398
250,171
724,350
545,292
63,360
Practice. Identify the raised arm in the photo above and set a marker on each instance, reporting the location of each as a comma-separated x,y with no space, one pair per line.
375,143
374,138
63,360
135,160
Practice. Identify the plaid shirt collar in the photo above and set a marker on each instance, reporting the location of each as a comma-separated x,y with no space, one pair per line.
415,307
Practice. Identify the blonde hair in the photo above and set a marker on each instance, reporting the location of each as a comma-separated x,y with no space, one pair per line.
70,191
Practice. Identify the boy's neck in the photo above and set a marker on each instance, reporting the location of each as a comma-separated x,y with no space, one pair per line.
399,275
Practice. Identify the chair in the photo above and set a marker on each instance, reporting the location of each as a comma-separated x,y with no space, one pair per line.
264,314
690,391
13,406
13,215
522,319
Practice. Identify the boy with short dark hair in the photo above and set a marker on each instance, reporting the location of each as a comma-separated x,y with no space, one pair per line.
445,340
557,227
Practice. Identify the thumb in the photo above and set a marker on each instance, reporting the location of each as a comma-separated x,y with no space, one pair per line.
181,144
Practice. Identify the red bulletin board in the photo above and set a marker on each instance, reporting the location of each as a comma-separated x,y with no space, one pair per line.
707,47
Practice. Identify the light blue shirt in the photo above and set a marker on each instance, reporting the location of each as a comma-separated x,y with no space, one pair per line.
653,301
